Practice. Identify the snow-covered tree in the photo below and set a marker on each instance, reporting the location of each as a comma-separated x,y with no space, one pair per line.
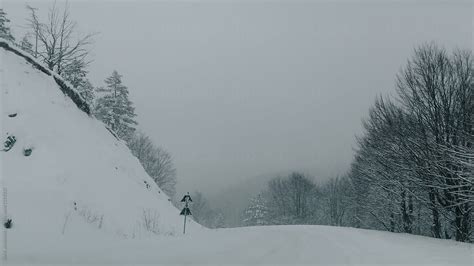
336,201
156,161
76,73
87,92
5,31
256,213
115,109
290,199
413,168
56,40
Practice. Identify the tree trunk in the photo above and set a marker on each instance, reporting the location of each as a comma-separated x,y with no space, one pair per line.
435,226
462,222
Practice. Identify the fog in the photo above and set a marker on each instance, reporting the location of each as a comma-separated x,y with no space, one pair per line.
238,89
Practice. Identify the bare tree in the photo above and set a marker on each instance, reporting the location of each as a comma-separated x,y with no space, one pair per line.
336,193
438,90
414,162
156,161
290,199
34,24
56,42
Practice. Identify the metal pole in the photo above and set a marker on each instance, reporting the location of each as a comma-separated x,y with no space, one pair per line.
184,229
3,225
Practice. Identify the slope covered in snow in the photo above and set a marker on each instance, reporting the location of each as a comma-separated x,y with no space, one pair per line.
80,182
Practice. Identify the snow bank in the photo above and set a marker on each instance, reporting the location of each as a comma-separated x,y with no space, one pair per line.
65,87
79,183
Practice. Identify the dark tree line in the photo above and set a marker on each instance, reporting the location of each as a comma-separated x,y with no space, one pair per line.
297,199
156,161
413,171
290,199
413,168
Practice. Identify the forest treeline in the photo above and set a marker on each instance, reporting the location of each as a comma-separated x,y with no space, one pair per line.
413,166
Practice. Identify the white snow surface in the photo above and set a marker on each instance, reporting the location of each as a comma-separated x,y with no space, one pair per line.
265,245
79,177
76,160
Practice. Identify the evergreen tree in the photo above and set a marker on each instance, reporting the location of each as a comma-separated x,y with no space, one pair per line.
86,90
75,73
5,32
26,45
115,109
256,213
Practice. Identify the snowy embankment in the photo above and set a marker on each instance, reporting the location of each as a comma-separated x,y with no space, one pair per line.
79,183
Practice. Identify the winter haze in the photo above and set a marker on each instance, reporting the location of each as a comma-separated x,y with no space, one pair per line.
237,132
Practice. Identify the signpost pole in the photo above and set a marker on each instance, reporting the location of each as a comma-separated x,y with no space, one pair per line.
4,251
185,211
184,229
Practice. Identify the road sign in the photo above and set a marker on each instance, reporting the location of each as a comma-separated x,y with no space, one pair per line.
186,211
187,198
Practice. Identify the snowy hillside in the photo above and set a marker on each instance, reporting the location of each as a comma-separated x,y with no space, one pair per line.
80,182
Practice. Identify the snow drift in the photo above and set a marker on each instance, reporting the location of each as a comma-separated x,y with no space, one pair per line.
79,181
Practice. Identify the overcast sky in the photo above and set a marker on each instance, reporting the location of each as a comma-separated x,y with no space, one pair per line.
239,89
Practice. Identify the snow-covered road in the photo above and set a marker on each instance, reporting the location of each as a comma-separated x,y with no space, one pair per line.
315,245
